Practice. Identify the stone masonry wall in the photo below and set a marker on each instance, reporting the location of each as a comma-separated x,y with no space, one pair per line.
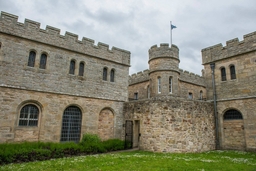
51,108
17,40
173,125
247,108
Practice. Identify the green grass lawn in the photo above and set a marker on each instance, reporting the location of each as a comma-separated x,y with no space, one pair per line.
146,161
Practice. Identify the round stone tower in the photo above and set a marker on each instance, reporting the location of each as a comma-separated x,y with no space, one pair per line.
164,70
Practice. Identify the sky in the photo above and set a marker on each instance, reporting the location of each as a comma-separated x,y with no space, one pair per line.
136,25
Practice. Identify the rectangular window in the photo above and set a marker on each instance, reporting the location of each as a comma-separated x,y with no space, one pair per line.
135,96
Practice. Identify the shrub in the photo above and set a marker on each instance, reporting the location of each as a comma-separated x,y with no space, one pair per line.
90,138
113,144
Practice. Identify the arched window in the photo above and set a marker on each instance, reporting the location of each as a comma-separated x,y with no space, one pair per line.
148,90
29,115
190,95
105,72
81,69
232,72
201,95
232,115
72,67
31,59
170,84
223,74
71,124
159,84
112,75
43,60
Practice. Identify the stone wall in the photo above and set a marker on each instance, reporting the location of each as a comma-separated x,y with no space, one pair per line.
173,125
51,106
18,39
233,47
140,88
229,140
186,88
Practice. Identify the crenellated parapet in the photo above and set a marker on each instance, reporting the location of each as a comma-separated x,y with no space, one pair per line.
233,47
164,51
30,30
139,77
190,77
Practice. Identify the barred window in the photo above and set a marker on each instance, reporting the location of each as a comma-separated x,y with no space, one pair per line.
223,74
72,67
81,69
112,75
43,60
31,59
232,72
232,115
105,72
29,115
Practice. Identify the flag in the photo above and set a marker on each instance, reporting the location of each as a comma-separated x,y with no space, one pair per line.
173,26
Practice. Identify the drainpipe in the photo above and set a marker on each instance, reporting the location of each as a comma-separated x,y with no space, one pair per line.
215,106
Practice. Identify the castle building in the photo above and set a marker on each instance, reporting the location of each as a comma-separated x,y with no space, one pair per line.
57,88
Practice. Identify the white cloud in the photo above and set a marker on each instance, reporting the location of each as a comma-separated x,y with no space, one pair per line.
136,25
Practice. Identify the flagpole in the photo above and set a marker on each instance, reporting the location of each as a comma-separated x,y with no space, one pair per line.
171,34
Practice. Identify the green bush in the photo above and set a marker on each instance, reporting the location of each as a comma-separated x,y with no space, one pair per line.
90,138
31,151
113,144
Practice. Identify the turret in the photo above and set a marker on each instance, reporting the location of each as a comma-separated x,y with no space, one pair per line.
164,70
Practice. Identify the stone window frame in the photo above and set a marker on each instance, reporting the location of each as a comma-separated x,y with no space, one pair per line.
170,84
223,73
81,68
62,132
43,60
105,74
112,75
201,95
190,95
72,67
27,117
32,58
159,85
148,91
136,96
232,72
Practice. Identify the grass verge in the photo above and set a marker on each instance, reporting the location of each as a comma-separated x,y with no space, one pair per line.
146,161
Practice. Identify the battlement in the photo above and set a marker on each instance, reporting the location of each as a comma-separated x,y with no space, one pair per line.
31,30
233,47
163,51
139,77
190,77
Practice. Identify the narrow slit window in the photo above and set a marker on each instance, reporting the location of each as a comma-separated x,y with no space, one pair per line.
31,59
159,84
43,60
135,96
190,96
201,95
72,67
223,74
105,72
170,84
232,72
112,75
81,69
